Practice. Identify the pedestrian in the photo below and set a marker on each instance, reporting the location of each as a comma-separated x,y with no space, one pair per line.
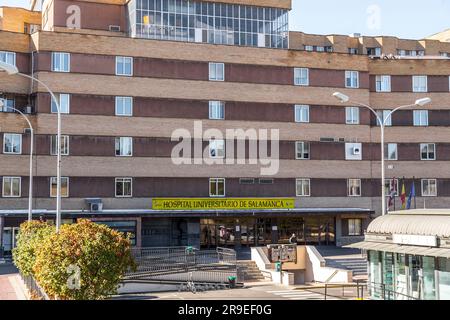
293,239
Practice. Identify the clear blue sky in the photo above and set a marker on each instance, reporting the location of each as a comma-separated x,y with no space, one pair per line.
410,19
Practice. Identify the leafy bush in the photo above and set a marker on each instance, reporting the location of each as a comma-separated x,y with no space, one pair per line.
31,235
83,261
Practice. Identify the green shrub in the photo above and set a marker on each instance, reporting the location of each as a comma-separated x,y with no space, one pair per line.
101,255
31,235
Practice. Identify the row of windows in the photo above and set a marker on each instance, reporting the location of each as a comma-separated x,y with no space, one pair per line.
12,144
124,187
419,83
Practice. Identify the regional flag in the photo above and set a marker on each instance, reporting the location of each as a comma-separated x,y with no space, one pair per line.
403,195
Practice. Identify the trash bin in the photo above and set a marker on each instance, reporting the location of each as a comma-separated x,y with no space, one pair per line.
232,281
278,266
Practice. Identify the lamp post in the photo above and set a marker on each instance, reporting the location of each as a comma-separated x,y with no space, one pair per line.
420,102
12,70
30,188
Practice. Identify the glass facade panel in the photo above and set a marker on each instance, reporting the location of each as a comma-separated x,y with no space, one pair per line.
218,23
444,279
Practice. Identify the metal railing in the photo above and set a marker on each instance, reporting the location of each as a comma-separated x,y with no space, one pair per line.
34,289
176,265
358,294
380,291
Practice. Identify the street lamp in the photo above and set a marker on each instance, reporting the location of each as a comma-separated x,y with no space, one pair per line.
12,70
30,189
420,102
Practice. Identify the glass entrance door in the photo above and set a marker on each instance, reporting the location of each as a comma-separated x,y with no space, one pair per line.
9,240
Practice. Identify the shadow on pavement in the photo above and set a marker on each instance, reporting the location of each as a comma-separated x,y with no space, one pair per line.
7,268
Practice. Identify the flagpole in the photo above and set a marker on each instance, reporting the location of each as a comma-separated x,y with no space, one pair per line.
414,183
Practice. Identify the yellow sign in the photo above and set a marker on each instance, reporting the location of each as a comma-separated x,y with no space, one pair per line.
222,203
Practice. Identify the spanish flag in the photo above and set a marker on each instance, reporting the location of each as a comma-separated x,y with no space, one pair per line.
403,195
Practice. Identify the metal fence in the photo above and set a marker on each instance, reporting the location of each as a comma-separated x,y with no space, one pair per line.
182,264
35,291
379,291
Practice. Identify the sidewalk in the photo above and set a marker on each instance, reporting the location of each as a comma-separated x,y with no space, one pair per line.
10,283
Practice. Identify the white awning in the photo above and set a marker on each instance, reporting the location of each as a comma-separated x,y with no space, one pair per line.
390,247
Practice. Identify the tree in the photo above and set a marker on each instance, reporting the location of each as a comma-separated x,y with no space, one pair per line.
31,235
84,261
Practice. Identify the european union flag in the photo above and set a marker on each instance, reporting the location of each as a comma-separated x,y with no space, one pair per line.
412,194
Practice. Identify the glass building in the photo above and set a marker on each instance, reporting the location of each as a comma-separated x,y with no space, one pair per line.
408,255
209,22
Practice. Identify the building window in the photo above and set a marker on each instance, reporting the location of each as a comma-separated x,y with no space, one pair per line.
216,110
390,151
301,76
60,62
354,227
301,113
64,145
217,149
11,187
64,103
420,118
385,116
8,104
427,151
429,188
302,150
64,187
216,71
374,51
124,146
124,66
420,84
124,187
352,115
12,143
124,106
354,187
309,48
8,57
383,83
266,181
217,187
353,151
352,79
303,187
353,50
246,181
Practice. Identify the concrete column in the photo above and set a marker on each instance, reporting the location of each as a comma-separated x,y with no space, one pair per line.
338,231
2,225
237,236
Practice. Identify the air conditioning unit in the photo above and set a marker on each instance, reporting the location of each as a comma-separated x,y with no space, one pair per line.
95,204
27,110
356,151
114,28
27,131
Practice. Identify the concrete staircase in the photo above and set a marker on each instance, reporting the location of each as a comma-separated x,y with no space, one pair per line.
343,258
248,271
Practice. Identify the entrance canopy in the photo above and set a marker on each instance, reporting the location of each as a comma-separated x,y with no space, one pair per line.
414,250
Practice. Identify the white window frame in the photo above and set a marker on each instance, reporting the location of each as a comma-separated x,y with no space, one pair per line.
64,142
298,113
351,222
420,123
301,145
383,83
427,145
349,74
11,187
123,180
8,104
415,84
302,186
422,187
386,151
301,76
124,60
53,180
213,73
350,114
348,188
14,135
120,103
62,108
215,108
217,181
119,140
60,56
8,54
214,145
